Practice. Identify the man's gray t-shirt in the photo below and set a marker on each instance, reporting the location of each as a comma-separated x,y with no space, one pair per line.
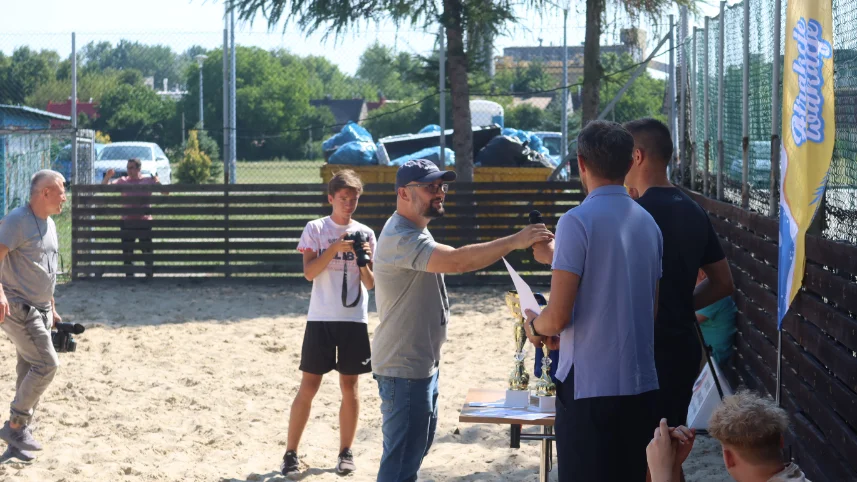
412,303
29,272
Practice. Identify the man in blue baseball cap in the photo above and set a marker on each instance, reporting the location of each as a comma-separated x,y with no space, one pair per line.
413,308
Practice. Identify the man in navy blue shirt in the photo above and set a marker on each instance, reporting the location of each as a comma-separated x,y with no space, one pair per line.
604,287
690,244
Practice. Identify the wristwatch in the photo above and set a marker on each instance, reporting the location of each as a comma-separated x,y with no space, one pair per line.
533,327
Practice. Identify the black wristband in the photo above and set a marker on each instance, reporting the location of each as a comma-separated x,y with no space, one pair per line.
533,327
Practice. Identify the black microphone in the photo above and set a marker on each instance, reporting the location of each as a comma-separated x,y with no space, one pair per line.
74,329
536,217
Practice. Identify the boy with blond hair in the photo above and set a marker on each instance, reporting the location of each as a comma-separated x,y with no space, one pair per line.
751,430
336,335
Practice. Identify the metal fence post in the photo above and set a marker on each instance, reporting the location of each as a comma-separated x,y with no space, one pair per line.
73,108
564,114
74,154
682,127
442,69
745,113
706,116
775,161
693,113
773,197
671,94
226,135
720,102
233,124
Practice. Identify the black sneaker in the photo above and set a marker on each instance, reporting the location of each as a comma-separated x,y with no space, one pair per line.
290,462
345,465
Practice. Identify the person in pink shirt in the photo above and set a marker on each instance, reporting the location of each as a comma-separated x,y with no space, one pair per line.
135,227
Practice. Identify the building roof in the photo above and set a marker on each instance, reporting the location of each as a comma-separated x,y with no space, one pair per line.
541,102
31,112
343,110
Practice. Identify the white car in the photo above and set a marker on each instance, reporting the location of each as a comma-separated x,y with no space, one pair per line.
115,156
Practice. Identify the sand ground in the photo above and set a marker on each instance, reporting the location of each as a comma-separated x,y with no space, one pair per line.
181,381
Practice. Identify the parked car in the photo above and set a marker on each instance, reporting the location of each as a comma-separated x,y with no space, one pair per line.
62,163
115,156
760,166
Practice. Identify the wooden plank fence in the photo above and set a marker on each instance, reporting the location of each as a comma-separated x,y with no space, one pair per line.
819,372
248,230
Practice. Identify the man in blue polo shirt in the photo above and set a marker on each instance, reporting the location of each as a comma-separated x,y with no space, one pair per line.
604,289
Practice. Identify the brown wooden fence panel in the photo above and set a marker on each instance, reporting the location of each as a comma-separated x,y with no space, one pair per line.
253,230
819,374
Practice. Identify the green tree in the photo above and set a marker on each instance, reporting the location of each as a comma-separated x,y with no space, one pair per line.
316,122
158,61
195,166
130,112
394,75
271,99
644,98
91,85
592,67
24,71
525,116
523,79
468,24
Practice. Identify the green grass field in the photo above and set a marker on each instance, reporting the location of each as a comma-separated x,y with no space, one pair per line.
279,172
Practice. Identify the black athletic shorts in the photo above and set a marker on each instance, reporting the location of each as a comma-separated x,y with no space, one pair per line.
677,362
339,345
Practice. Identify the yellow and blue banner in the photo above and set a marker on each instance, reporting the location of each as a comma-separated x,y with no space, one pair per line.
807,138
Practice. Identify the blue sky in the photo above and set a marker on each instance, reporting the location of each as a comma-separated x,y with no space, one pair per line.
182,23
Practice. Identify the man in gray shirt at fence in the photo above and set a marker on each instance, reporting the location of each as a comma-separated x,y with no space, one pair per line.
28,275
414,311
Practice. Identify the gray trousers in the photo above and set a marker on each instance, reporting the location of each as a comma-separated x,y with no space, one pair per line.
30,331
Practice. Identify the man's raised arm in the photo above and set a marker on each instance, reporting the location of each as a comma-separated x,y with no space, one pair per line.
446,259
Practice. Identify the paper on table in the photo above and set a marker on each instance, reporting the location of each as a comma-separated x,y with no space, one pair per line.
515,413
525,294
498,404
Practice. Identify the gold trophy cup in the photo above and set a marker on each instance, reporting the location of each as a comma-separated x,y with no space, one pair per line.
519,379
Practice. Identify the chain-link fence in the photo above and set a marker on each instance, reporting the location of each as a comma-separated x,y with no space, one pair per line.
841,195
714,68
732,100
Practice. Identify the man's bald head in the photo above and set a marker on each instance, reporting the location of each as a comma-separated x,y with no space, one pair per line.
652,137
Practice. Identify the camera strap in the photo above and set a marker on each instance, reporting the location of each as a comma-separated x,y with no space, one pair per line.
345,288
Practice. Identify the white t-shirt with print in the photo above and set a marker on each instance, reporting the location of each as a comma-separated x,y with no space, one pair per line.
325,304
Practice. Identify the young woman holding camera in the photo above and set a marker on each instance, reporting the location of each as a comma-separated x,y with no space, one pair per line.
337,256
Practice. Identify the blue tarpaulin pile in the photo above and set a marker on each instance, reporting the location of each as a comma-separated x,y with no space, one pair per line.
355,153
353,146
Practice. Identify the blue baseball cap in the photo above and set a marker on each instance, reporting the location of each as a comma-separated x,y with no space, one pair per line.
421,170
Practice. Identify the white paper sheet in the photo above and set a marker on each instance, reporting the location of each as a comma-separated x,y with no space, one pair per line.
514,413
525,293
498,404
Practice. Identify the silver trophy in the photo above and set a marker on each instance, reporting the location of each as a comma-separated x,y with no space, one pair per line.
544,386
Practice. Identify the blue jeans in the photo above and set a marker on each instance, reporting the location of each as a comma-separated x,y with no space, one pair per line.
409,408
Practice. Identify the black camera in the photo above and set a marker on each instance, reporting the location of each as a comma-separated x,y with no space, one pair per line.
62,338
359,254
